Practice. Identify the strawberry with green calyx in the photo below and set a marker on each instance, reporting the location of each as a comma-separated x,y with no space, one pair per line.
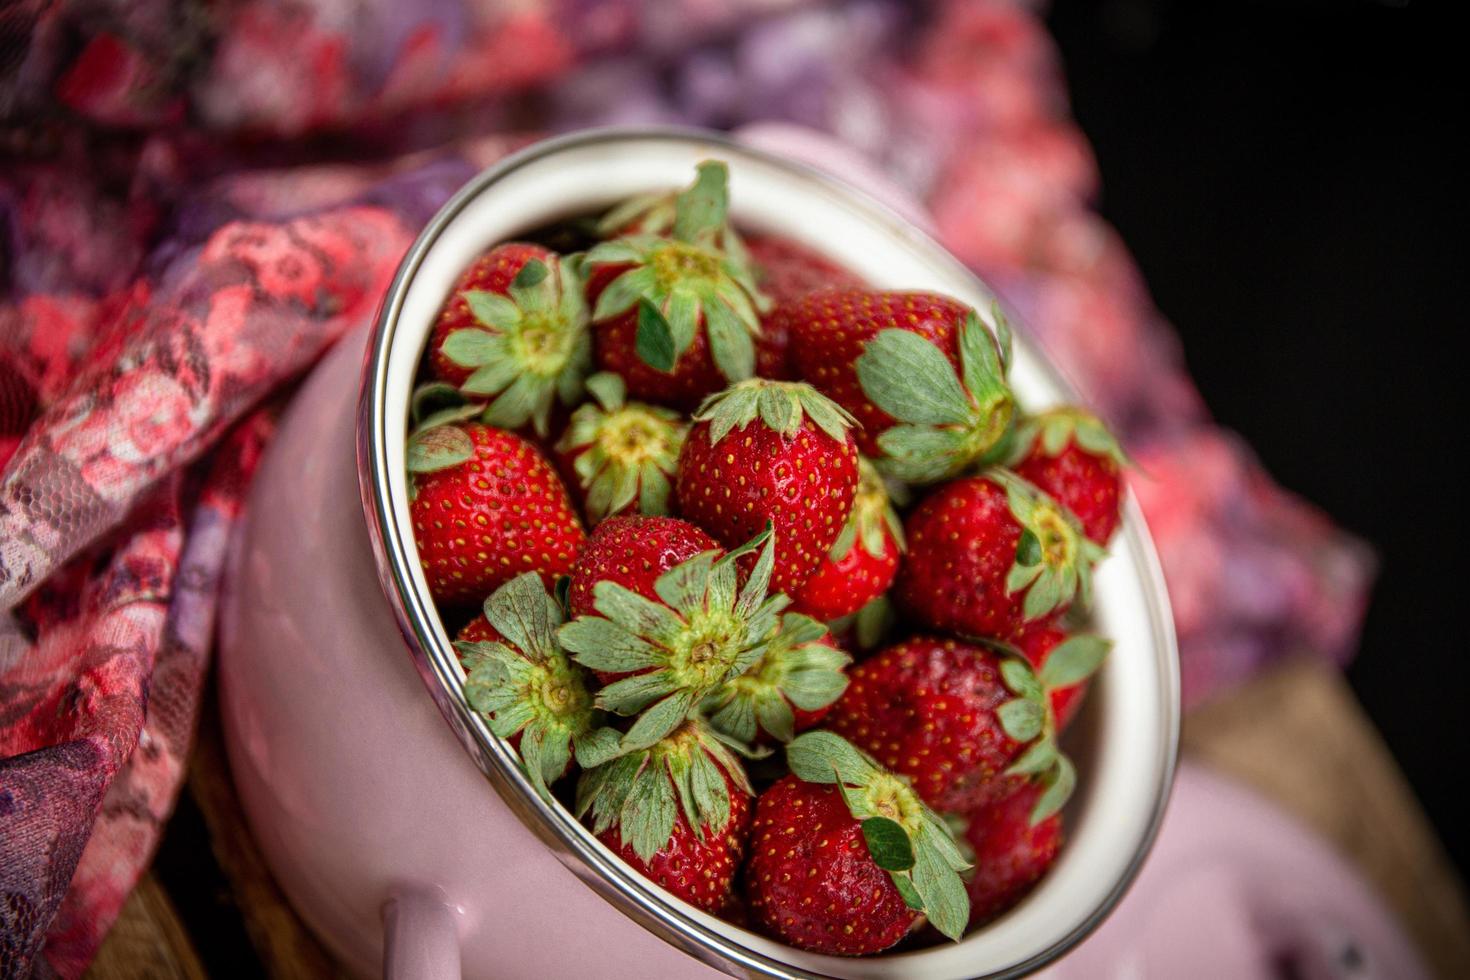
776,452
528,689
486,506
956,718
790,689
633,551
1039,643
920,371
1070,454
862,563
521,345
1029,718
677,810
657,214
1010,852
664,655
677,316
991,554
622,453
846,856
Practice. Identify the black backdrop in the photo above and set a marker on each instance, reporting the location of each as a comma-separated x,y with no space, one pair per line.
1290,178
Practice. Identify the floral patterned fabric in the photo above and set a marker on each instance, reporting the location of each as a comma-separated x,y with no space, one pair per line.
197,199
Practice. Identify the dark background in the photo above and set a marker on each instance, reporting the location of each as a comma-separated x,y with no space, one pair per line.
1286,175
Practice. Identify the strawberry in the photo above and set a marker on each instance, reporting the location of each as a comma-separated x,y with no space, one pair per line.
989,555
486,506
677,316
527,688
789,690
1010,852
514,333
633,551
863,561
958,718
786,270
678,811
1071,455
771,452
620,454
920,371
844,856
1039,643
662,655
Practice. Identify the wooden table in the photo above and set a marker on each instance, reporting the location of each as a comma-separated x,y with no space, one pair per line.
1297,735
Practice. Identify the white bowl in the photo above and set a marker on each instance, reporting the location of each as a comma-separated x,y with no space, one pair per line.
1128,749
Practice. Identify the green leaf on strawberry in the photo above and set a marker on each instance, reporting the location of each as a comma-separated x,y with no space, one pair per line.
529,348
1054,558
949,418
926,867
797,670
1028,716
780,405
643,792
1053,429
691,277
622,452
705,630
526,686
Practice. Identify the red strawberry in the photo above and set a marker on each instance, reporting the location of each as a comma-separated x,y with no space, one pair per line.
620,455
661,654
955,718
786,270
677,316
863,561
774,452
990,554
677,811
920,371
634,552
486,507
1039,643
523,682
844,856
1011,853
789,690
514,332
1071,455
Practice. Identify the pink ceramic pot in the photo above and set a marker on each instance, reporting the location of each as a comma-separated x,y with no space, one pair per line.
418,845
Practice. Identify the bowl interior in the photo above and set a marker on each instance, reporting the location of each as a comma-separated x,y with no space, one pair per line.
1124,743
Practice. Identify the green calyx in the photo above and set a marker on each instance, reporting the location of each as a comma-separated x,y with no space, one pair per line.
797,670
435,441
905,838
780,405
1052,430
873,519
643,793
532,345
947,418
624,451
1054,558
654,214
526,686
684,279
705,630
1028,716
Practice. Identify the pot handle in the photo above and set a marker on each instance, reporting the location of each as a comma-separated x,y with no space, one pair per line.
420,941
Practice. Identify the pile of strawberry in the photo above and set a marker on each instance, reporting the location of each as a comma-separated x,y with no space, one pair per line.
781,701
